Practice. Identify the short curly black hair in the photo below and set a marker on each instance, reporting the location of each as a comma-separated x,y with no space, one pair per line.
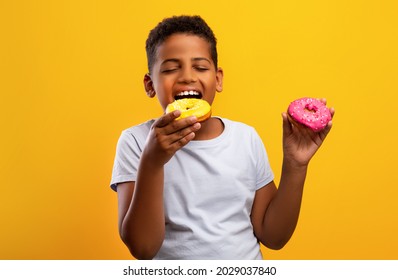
193,25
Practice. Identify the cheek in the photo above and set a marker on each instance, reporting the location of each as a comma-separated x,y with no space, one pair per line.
163,84
163,89
163,102
212,83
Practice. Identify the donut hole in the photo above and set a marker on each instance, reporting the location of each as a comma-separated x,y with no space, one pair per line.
311,108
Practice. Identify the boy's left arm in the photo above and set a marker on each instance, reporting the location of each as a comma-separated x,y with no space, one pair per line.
275,211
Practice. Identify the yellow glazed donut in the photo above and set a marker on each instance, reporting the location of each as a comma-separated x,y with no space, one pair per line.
191,107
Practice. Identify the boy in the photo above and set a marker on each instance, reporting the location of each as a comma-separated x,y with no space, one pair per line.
190,190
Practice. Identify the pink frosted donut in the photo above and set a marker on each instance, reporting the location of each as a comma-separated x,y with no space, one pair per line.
310,112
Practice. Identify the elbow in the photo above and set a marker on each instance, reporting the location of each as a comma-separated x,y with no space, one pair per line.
275,239
142,253
140,249
274,245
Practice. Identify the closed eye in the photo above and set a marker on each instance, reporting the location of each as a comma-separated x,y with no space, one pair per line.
171,70
201,69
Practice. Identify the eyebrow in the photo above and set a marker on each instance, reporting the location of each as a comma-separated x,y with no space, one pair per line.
169,60
175,60
201,58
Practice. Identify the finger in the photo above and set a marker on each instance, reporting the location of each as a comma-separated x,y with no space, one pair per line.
166,119
323,133
183,141
180,124
176,136
331,111
323,100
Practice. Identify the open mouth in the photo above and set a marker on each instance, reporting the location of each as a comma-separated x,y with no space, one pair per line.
188,94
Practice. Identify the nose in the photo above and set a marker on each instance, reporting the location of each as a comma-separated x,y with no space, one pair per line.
188,75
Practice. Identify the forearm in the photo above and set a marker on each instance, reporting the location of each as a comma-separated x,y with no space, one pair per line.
282,214
141,207
144,225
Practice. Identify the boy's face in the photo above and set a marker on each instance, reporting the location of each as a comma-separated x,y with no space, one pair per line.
183,65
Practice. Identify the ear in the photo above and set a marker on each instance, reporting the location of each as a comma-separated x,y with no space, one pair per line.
219,79
148,85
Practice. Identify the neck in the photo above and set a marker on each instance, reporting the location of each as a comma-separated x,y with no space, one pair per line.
210,129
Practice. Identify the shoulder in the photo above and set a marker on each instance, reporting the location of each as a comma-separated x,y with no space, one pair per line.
140,130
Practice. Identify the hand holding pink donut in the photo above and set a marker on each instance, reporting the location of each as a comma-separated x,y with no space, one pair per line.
306,124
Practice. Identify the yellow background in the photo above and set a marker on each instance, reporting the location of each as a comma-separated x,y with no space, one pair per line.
71,81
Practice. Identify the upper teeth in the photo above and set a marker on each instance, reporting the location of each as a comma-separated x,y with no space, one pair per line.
191,92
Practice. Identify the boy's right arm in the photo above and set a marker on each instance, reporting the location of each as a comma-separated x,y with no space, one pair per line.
140,203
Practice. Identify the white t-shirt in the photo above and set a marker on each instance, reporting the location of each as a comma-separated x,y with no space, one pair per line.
209,188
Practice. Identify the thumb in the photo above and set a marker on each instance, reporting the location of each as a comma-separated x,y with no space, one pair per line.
287,126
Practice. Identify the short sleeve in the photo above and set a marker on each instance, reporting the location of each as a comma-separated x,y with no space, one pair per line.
264,174
128,153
